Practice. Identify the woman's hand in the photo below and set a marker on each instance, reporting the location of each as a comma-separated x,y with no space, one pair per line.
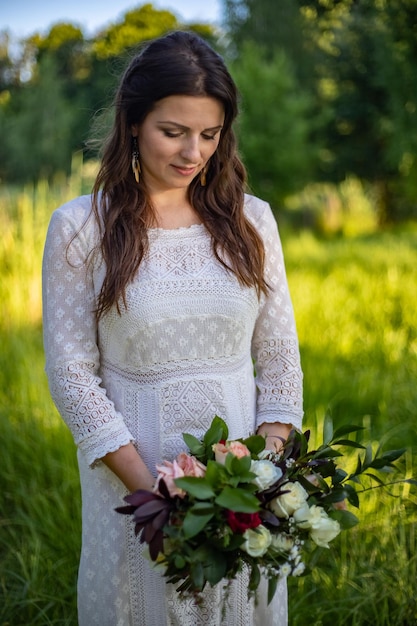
276,433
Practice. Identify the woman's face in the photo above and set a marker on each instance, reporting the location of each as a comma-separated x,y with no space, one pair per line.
177,139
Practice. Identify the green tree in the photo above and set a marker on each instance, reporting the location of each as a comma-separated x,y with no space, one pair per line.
357,60
137,26
373,128
273,129
39,133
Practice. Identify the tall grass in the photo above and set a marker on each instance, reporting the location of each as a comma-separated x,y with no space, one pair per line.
355,307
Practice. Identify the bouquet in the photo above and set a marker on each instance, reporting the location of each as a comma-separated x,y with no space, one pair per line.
225,505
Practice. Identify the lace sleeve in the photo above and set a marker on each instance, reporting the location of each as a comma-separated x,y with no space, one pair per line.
275,343
70,330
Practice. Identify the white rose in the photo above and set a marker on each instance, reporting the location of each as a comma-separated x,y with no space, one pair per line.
257,541
266,473
303,515
323,528
287,503
282,542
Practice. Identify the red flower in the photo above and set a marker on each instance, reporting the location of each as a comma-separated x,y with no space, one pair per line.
239,522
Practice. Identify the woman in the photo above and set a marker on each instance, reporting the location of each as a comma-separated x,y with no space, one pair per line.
159,290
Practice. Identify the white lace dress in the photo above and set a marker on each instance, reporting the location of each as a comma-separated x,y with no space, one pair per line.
181,353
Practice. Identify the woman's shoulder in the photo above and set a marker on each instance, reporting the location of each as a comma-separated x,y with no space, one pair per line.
75,211
258,211
76,217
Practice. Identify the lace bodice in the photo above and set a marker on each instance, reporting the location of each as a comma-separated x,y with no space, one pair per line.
184,311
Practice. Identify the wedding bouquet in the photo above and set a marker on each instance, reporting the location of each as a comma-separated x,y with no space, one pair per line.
224,505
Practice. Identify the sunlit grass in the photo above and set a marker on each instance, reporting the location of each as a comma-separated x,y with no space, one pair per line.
354,300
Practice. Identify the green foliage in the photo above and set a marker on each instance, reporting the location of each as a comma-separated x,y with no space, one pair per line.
273,129
138,25
38,139
357,62
50,92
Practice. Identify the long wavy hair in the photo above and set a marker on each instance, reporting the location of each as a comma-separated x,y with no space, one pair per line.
180,63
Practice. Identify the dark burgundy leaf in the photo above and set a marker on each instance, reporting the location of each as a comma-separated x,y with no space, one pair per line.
156,545
139,497
126,510
269,517
148,510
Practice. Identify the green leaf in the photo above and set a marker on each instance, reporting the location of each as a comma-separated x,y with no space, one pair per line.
368,457
348,442
379,464
255,577
346,519
304,444
215,569
216,474
327,429
326,452
308,486
346,430
255,443
339,476
337,495
197,575
202,508
237,466
375,478
352,495
218,430
179,561
195,446
393,455
272,587
193,524
238,500
358,469
197,487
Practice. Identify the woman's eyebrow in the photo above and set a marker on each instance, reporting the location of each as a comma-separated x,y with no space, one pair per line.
214,128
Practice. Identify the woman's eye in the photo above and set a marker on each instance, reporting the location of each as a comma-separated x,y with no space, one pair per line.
170,133
211,137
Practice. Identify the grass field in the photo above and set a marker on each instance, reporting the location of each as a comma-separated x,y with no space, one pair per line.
354,300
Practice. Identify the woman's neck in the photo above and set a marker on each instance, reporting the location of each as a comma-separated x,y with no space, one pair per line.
173,210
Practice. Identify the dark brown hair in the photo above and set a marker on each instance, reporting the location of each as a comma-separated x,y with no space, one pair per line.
180,63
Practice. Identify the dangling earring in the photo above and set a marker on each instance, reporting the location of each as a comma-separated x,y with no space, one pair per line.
203,179
135,159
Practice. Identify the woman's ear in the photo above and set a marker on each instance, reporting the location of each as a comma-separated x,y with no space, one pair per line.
134,129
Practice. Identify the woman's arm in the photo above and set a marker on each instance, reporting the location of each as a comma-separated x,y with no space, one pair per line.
70,341
275,347
128,465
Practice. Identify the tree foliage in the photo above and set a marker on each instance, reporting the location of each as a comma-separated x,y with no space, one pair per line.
273,129
328,88
357,60
50,94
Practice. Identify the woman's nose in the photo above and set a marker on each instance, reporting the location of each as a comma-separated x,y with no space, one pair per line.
191,150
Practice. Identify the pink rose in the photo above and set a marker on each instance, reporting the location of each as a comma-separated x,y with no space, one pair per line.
183,465
221,450
190,465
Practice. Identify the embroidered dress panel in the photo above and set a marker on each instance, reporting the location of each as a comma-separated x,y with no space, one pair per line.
184,349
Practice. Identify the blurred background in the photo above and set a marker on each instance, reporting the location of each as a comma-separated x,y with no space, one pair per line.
328,132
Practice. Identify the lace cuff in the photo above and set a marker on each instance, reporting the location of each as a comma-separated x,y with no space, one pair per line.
109,439
90,415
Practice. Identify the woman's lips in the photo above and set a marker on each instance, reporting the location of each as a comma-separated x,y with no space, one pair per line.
185,171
